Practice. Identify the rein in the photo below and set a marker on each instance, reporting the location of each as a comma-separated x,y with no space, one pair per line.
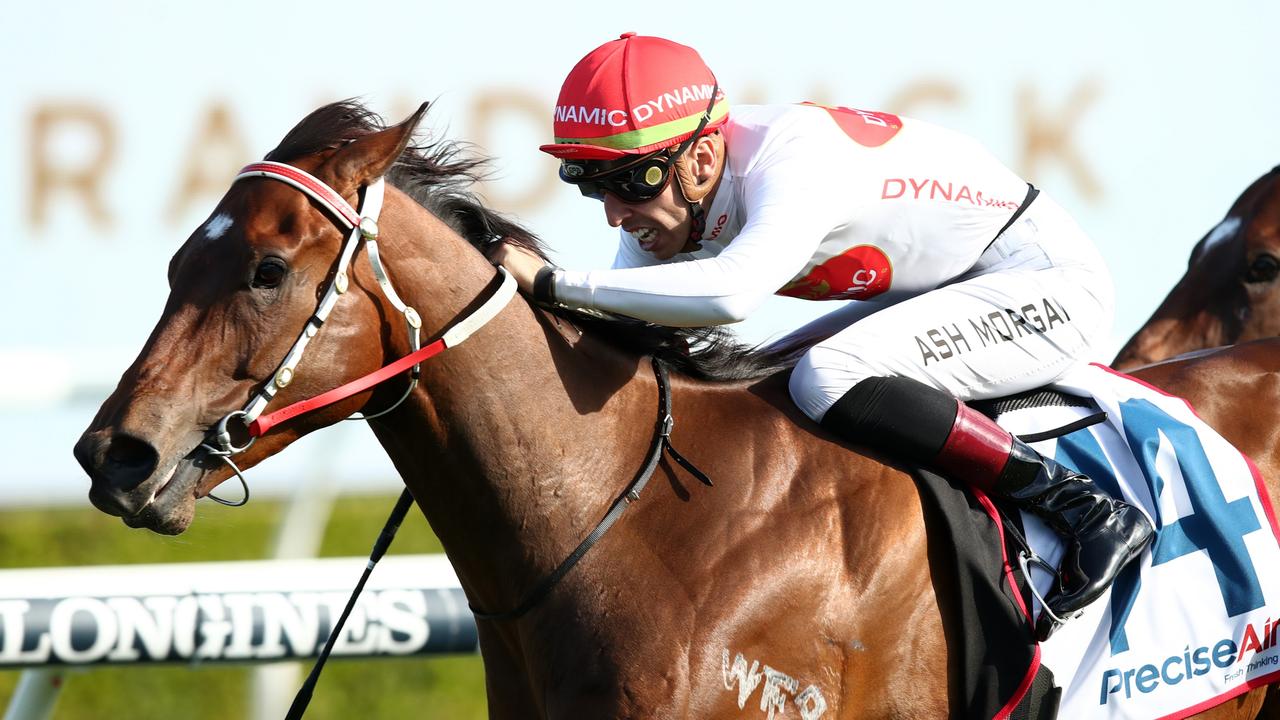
661,442
364,228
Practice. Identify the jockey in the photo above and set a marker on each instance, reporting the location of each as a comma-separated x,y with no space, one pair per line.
969,283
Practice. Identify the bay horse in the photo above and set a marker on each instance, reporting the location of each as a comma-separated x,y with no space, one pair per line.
806,556
1231,290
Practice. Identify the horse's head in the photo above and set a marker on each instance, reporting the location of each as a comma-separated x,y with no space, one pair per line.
1231,290
242,287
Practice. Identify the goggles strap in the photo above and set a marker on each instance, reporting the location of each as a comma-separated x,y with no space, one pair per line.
698,225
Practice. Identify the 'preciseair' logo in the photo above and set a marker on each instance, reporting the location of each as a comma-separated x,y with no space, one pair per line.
1194,663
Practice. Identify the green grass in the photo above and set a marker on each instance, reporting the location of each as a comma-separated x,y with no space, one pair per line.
444,687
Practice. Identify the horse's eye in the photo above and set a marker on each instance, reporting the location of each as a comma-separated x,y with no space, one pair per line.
270,273
1264,268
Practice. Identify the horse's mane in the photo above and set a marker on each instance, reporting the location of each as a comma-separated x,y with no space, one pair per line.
439,175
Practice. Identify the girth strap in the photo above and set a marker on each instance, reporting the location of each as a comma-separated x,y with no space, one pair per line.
661,442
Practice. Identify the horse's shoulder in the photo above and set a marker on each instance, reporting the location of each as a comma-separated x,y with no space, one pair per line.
760,402
760,413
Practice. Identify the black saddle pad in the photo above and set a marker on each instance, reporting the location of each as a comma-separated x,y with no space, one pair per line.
995,660
995,663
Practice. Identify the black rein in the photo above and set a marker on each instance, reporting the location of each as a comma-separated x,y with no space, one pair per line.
661,442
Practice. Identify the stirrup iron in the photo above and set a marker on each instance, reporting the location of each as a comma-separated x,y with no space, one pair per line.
1028,559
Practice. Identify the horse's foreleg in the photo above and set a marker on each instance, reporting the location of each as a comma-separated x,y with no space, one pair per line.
506,682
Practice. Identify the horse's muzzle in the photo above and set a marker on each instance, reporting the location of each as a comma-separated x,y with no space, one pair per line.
117,464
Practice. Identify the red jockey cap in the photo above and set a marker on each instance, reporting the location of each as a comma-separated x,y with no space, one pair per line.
632,96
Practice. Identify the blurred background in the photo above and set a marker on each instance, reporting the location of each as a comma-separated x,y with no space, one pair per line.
122,124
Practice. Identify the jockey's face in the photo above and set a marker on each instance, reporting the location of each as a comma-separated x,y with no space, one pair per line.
661,226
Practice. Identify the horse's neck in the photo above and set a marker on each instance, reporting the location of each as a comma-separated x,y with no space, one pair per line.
504,456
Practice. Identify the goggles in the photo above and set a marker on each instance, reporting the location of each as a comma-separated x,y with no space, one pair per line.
631,181
635,182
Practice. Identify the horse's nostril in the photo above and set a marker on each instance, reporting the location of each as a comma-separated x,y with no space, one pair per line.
128,461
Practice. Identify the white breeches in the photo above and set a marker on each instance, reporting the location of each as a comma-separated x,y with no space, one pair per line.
1037,302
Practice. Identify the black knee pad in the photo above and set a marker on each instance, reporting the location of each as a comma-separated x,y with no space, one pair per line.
897,415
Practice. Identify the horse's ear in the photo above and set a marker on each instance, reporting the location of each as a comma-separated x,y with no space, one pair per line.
369,157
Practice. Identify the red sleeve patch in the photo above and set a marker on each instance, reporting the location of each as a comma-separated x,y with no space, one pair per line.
856,274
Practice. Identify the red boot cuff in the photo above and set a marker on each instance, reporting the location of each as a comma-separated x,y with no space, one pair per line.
976,450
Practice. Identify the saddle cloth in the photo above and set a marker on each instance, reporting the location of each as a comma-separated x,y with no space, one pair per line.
1195,621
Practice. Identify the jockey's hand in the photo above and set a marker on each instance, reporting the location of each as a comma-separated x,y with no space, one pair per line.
523,264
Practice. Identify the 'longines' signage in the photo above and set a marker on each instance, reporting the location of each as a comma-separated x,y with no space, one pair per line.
231,627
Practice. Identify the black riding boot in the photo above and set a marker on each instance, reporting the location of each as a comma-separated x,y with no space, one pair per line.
1103,534
919,424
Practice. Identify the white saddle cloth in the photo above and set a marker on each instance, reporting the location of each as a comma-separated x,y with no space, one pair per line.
1195,621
